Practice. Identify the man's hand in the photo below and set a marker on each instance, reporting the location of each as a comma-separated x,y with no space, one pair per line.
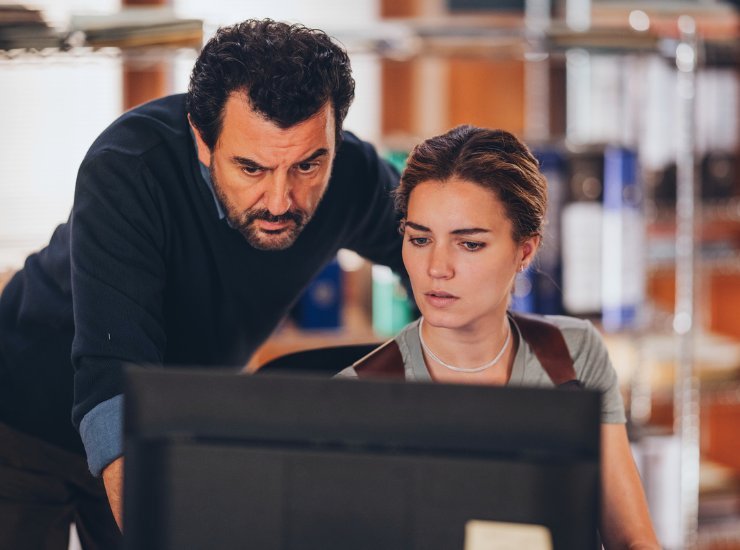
113,481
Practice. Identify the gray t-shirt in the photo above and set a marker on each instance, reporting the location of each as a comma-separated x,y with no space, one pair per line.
590,360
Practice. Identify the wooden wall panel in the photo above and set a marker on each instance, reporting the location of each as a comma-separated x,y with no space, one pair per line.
398,86
718,309
400,8
143,83
724,292
720,421
487,93
720,418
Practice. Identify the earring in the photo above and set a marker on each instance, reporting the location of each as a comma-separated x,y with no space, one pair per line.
522,268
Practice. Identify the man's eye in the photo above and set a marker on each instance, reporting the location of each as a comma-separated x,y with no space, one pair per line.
472,245
251,170
307,167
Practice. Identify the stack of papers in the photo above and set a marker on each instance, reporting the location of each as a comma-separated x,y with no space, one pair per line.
134,27
22,27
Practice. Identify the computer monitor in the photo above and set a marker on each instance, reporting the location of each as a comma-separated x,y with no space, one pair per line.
221,461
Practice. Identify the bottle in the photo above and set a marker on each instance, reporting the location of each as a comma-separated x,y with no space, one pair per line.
391,307
581,240
623,233
320,305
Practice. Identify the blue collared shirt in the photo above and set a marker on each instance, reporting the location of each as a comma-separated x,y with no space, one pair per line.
206,173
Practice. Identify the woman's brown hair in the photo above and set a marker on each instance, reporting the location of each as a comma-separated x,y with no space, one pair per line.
495,160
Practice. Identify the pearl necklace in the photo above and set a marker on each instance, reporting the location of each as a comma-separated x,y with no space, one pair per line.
463,369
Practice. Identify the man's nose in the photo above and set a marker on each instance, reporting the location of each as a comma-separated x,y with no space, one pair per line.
277,195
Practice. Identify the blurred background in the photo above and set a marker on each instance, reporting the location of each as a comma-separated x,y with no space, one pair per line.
631,108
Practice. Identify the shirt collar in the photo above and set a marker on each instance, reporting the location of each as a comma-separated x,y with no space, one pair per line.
207,179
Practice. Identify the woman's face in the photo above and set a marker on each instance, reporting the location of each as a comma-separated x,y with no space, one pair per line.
460,254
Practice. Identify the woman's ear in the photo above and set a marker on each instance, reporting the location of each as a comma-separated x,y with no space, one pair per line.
528,250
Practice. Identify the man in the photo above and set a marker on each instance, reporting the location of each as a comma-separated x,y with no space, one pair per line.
196,224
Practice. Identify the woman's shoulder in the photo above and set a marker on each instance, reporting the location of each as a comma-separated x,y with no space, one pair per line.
404,339
566,322
408,339
409,330
579,334
571,327
585,344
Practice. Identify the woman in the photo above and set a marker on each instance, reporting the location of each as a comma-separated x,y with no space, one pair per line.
473,202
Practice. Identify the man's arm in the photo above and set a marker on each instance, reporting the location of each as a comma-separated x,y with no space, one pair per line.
118,274
113,481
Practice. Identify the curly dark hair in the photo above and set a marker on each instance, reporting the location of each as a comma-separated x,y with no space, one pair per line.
288,71
495,160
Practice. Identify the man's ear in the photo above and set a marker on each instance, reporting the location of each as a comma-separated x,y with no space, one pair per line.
204,152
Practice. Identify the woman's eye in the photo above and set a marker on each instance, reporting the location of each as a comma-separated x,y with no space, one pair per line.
472,245
418,241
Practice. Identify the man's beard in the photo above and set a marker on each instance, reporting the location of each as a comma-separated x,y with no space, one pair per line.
262,239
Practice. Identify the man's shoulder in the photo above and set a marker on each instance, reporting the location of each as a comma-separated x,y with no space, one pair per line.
144,128
355,153
359,162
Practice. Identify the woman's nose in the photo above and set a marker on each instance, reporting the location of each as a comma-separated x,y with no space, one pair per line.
440,266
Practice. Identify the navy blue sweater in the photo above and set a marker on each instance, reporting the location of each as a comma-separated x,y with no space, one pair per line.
145,271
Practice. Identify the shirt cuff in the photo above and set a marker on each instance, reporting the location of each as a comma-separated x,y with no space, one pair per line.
101,431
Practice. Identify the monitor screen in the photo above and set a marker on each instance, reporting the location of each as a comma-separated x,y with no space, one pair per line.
220,460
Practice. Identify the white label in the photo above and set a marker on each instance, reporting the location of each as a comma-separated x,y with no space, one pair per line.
496,535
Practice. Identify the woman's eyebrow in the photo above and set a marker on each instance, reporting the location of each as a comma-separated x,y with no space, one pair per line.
469,231
417,226
462,231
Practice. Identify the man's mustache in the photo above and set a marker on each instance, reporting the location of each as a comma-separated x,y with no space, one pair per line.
296,216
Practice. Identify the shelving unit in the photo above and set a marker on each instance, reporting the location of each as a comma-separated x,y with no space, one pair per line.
495,62
511,71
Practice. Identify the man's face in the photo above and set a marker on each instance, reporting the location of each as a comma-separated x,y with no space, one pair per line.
269,180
